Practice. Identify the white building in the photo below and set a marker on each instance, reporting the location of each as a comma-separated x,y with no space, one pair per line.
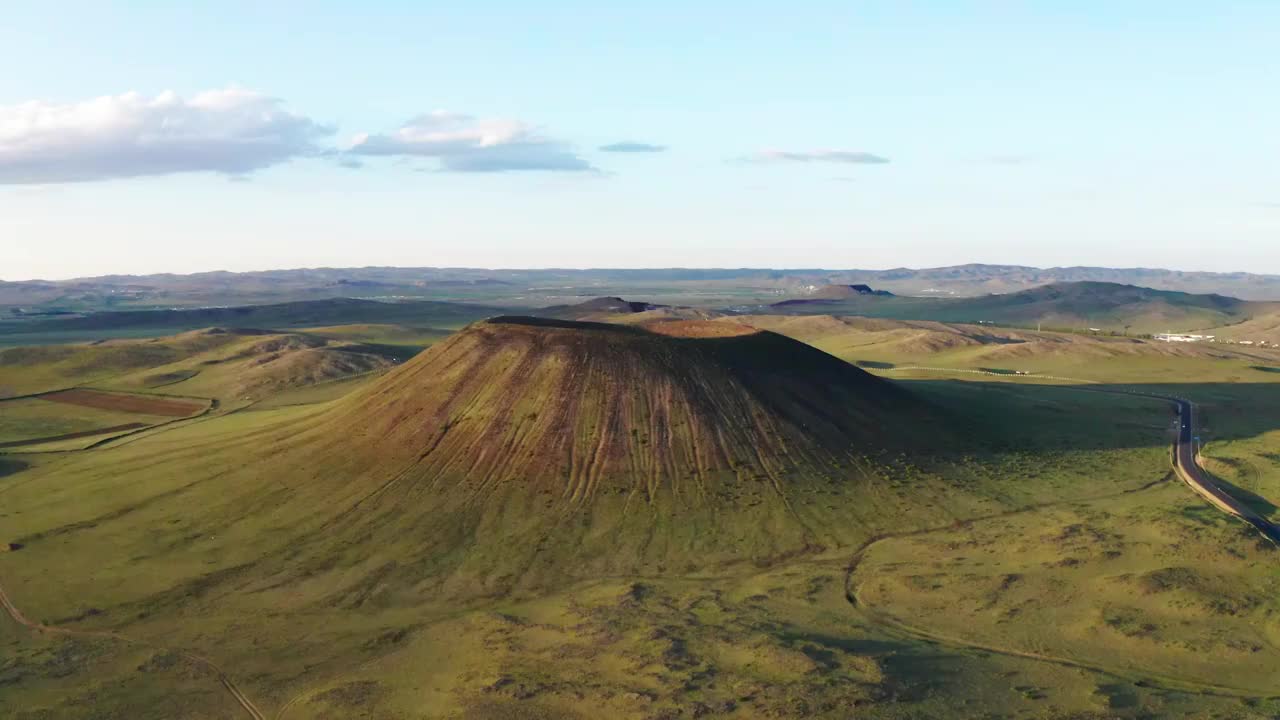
1182,337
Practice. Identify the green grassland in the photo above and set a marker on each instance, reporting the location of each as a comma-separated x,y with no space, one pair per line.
1143,584
406,339
1036,559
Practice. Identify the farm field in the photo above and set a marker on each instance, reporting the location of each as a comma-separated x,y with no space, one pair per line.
72,419
1024,552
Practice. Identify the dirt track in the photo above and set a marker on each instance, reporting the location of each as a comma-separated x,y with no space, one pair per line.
207,664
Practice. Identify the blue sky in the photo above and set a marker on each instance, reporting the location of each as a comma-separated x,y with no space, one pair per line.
839,134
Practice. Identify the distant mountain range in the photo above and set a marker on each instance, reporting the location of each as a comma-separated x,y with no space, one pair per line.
980,279
533,288
1108,307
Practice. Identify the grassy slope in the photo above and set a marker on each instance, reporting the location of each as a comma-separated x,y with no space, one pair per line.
32,369
215,363
1265,326
1148,583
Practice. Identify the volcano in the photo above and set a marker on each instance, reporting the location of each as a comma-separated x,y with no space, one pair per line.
583,408
523,453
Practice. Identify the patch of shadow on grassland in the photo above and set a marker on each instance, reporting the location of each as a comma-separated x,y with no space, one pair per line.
11,466
348,701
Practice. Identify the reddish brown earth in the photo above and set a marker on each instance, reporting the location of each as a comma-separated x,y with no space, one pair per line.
123,402
582,407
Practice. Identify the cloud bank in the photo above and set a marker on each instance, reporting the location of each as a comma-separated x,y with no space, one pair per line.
632,147
464,143
232,132
832,156
236,132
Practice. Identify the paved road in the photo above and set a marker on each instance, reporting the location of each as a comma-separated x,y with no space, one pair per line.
1184,458
1195,476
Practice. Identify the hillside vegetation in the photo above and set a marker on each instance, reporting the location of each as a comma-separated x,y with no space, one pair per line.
227,364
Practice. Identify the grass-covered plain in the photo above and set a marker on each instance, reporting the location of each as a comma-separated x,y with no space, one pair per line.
1009,570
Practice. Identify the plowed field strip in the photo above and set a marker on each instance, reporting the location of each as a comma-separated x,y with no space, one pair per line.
121,402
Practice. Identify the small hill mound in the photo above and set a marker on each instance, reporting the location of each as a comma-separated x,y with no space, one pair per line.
1110,306
257,364
227,364
665,314
835,293
597,307
839,292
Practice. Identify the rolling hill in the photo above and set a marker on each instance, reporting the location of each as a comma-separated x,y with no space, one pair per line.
1264,326
1075,305
227,364
279,316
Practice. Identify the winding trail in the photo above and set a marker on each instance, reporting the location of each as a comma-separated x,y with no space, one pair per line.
221,675
892,623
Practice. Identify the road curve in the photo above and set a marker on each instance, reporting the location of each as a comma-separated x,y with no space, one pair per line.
1186,462
1185,458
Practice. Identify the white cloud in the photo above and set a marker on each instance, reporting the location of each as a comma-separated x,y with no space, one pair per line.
835,156
463,143
232,131
629,146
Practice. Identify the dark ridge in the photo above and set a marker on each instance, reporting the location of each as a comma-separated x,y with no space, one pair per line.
606,304
836,293
553,322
